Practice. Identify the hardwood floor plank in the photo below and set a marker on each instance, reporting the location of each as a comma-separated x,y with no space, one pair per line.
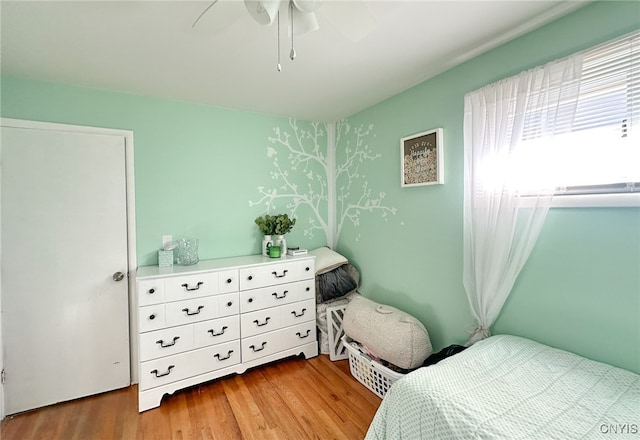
247,413
286,387
293,399
216,401
129,421
274,408
301,399
307,402
179,417
155,424
347,404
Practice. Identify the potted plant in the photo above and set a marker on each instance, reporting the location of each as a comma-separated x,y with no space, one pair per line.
267,224
284,224
270,225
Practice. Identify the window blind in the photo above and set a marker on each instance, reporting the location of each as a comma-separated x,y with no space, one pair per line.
599,151
610,86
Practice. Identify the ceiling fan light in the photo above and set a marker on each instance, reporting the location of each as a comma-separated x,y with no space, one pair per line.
303,22
263,11
307,5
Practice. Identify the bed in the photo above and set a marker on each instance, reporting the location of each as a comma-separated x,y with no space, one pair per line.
508,387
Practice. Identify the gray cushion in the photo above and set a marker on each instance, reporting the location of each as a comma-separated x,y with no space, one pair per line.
335,283
350,270
389,333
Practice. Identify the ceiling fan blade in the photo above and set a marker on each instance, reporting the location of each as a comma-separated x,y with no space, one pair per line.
215,20
307,5
263,11
351,18
203,12
303,22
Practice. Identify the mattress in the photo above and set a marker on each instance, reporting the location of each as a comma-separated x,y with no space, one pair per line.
507,387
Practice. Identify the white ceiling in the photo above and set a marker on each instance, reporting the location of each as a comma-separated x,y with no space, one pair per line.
229,60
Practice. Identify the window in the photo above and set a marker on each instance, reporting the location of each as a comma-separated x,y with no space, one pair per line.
600,153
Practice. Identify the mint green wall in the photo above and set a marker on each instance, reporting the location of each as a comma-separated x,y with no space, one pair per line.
581,288
196,167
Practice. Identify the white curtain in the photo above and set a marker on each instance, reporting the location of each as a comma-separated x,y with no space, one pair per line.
508,156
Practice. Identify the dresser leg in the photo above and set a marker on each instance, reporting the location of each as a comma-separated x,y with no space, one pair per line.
310,350
149,400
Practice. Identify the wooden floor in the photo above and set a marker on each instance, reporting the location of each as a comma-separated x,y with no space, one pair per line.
290,399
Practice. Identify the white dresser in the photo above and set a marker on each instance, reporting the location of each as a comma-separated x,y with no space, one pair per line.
220,317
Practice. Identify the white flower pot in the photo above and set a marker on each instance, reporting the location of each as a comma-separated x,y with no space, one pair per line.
267,242
280,241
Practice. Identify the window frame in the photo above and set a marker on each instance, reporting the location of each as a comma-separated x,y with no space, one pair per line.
607,200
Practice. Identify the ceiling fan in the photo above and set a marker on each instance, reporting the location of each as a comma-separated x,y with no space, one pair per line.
351,18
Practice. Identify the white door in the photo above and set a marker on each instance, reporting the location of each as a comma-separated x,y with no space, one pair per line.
65,315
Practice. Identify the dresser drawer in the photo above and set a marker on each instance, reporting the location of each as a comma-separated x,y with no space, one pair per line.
190,286
195,310
150,292
260,321
151,318
273,296
216,331
228,281
261,345
298,312
298,334
166,342
277,273
228,304
181,366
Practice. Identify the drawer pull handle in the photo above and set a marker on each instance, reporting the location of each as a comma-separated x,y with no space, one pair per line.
213,333
284,294
223,358
152,291
266,321
250,277
305,336
301,313
284,273
229,280
307,269
230,303
152,316
308,288
163,374
250,300
191,289
170,344
193,313
253,347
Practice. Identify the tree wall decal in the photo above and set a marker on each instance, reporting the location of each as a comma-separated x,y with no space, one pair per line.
311,159
354,149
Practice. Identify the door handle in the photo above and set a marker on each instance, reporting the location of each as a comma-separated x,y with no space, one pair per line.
118,276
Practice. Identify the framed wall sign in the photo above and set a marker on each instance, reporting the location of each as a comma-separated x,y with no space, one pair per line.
421,158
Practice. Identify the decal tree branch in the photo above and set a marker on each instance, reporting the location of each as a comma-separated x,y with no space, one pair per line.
305,146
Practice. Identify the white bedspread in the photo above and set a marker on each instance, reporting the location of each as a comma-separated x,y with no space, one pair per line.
506,387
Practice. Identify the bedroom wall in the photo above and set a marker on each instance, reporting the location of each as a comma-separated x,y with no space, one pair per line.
200,171
581,287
